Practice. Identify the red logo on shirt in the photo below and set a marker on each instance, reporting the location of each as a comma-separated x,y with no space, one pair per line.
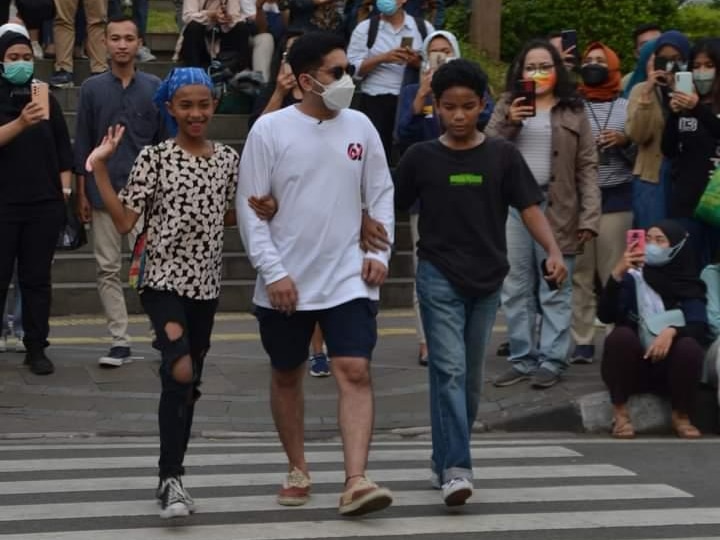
355,151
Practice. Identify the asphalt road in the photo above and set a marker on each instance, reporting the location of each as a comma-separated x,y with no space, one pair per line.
526,488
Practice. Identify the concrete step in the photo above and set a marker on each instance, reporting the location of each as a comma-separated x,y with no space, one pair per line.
161,42
81,69
82,298
80,267
223,127
233,243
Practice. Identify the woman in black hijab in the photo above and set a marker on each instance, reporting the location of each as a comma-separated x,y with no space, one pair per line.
36,163
645,286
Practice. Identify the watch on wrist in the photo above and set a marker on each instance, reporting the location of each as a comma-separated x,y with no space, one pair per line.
67,191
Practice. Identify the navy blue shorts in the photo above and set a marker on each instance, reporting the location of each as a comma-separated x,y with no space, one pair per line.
349,329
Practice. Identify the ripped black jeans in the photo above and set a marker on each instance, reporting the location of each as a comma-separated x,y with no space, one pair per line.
182,327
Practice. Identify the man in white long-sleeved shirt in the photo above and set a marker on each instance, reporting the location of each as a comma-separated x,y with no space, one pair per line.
321,162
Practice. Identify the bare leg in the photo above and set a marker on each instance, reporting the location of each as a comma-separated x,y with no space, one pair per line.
355,413
287,403
317,342
622,426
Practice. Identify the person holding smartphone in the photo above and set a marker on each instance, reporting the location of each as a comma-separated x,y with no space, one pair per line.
690,141
644,287
36,162
607,112
648,108
555,138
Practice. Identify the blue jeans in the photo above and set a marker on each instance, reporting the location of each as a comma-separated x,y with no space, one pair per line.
457,329
525,295
649,202
16,313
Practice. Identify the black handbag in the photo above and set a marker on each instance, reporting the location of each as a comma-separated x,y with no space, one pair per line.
72,235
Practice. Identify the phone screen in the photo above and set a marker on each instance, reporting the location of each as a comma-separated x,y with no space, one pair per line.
569,41
406,42
525,88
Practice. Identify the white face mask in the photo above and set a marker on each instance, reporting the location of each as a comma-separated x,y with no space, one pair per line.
339,94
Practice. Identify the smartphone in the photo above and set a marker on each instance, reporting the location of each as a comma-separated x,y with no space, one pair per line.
662,64
525,88
40,94
569,40
436,59
552,284
407,42
636,236
684,82
284,65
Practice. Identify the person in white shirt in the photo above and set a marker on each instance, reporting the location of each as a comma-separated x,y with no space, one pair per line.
385,50
310,266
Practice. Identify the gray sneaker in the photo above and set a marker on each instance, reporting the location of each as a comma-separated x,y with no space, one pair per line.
510,377
145,55
544,378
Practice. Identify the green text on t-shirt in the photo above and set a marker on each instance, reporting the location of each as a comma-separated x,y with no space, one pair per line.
466,179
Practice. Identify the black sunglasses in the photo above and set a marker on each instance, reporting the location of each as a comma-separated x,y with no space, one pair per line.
337,72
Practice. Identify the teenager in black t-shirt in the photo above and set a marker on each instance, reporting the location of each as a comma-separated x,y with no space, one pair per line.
465,183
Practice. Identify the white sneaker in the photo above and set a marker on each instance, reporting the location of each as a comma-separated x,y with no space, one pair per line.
37,50
457,491
145,55
3,344
20,345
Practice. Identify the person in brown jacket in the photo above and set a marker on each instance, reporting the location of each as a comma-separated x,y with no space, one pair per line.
556,140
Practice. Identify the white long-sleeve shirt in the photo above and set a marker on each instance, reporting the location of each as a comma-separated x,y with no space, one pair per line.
321,173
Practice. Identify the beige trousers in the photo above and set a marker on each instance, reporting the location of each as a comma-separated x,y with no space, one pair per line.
64,33
262,53
599,257
108,256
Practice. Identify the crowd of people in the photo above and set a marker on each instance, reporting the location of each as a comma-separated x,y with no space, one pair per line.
569,196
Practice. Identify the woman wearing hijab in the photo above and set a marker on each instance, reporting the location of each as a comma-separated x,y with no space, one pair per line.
36,161
690,141
607,112
647,111
185,189
657,302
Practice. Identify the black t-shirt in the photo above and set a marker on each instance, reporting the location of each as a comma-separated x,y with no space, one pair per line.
464,198
31,163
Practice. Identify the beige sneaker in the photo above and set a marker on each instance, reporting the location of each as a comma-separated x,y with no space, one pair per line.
296,489
364,497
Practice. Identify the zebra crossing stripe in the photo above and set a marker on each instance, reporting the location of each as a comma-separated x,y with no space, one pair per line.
268,458
318,477
262,503
439,525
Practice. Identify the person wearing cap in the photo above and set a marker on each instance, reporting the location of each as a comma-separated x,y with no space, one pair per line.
648,107
36,165
185,189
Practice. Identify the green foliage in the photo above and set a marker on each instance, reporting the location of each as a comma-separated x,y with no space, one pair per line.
699,21
609,21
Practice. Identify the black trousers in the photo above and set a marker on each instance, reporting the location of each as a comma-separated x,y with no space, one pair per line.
236,42
381,111
4,11
625,371
31,242
177,400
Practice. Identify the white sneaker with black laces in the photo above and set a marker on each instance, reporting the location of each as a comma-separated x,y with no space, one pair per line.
174,500
456,491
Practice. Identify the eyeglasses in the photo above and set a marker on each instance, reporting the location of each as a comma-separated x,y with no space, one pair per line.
337,72
543,69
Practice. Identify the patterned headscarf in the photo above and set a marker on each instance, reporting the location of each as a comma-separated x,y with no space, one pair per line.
176,79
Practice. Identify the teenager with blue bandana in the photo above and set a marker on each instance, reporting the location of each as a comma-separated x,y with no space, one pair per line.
185,189
36,165
656,301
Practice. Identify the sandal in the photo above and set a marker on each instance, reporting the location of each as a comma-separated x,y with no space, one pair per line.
623,428
685,430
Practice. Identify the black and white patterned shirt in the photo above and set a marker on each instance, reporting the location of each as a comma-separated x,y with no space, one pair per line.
187,197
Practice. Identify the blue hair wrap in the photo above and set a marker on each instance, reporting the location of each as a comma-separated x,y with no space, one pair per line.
176,79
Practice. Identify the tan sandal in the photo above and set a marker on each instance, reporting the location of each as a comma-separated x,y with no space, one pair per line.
685,430
623,428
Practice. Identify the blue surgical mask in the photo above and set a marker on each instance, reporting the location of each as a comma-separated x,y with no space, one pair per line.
387,7
18,72
660,256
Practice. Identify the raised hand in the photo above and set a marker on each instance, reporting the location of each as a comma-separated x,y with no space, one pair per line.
106,148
